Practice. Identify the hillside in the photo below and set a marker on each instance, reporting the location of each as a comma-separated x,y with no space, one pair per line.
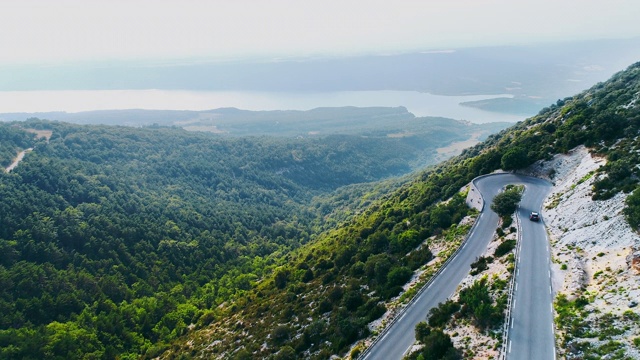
322,300
116,241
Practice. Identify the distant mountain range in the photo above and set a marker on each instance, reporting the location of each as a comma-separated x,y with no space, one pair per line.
534,74
367,121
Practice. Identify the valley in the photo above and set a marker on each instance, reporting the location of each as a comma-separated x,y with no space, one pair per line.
171,224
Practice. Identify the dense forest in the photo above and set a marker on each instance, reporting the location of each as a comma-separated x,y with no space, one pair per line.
116,241
320,302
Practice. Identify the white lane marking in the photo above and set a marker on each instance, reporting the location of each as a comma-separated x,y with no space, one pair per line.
406,351
550,292
464,246
384,336
516,286
549,274
509,346
512,321
514,303
518,272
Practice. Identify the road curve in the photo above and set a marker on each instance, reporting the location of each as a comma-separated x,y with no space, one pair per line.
401,335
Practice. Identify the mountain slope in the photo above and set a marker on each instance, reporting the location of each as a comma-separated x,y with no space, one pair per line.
353,270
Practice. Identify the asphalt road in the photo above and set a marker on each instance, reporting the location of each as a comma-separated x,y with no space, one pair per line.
531,334
395,343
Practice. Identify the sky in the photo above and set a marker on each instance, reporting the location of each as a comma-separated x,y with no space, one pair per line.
67,31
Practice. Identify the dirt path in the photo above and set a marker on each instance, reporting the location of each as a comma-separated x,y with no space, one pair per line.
18,159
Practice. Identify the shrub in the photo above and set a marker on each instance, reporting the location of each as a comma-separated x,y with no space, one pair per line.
281,278
438,345
504,248
480,264
422,331
280,334
352,300
479,305
399,276
440,315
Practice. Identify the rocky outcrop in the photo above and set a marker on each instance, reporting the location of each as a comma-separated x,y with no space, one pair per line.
576,279
633,259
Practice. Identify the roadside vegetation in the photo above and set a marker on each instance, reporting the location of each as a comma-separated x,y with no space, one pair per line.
587,337
478,308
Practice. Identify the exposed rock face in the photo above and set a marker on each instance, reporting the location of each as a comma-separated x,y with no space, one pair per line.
595,253
577,278
474,199
633,260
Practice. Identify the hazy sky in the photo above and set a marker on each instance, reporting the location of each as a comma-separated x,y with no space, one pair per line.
71,30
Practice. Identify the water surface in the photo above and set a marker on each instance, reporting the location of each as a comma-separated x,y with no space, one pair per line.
420,104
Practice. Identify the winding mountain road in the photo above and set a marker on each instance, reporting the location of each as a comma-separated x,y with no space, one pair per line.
531,331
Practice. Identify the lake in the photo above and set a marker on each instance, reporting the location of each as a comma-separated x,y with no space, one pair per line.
420,104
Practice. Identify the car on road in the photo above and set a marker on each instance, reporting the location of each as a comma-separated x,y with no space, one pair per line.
534,216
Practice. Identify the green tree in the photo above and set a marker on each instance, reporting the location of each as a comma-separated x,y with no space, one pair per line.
441,314
67,340
438,345
514,158
632,210
422,331
505,203
281,278
398,276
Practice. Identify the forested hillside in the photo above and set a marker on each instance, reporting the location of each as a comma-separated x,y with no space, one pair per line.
13,140
115,241
321,301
